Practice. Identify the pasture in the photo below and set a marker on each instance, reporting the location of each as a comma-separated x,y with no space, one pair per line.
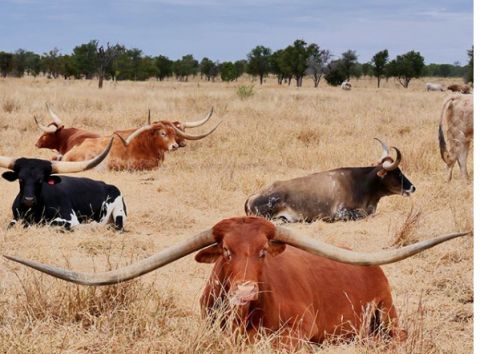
280,132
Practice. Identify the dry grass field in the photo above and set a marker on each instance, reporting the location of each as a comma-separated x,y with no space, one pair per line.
279,133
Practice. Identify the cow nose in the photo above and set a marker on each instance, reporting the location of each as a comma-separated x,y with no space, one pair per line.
413,189
29,201
243,293
174,147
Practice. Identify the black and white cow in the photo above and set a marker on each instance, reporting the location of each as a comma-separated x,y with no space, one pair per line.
47,198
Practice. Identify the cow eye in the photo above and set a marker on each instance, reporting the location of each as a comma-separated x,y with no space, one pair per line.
226,253
163,134
262,253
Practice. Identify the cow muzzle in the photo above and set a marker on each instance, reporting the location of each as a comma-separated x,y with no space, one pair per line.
173,147
407,192
29,201
243,293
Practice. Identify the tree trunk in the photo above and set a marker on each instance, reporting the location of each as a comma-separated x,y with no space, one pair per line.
261,79
100,81
378,81
298,80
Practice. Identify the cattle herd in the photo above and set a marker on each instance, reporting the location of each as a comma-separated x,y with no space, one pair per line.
269,277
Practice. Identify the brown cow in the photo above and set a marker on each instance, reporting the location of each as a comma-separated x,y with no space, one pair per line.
62,139
455,132
56,137
459,88
276,280
141,149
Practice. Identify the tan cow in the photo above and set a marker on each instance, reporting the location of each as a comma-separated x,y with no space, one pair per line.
455,132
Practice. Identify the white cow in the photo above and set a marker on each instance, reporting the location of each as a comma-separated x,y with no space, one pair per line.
346,85
434,87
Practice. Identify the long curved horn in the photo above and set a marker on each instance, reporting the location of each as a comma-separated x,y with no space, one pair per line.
77,166
390,166
55,118
168,255
7,162
199,122
384,149
44,128
194,137
137,132
360,258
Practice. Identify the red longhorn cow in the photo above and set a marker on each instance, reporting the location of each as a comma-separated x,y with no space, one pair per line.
278,281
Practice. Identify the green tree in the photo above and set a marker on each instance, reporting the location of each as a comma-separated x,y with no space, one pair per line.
469,71
228,72
335,73
240,67
407,66
164,67
367,69
33,64
185,67
68,68
51,63
208,68
259,62
348,62
379,62
85,59
19,62
276,65
6,63
294,59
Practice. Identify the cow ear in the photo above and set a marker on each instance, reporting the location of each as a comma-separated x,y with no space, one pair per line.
382,173
275,248
52,180
10,175
209,254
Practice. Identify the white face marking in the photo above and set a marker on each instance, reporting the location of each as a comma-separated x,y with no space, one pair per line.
172,146
408,191
114,209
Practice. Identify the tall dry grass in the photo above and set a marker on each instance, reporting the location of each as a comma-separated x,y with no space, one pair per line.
278,133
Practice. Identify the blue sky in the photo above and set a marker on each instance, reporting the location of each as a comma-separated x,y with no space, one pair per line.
227,30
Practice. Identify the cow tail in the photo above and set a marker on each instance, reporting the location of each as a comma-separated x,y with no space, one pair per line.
441,134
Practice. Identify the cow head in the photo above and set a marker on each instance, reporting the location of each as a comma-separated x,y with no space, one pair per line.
157,134
242,246
50,138
391,178
166,135
33,174
180,127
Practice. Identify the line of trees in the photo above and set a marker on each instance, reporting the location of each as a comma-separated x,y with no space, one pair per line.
293,63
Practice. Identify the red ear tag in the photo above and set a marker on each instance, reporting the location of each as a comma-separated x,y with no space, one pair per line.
51,182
